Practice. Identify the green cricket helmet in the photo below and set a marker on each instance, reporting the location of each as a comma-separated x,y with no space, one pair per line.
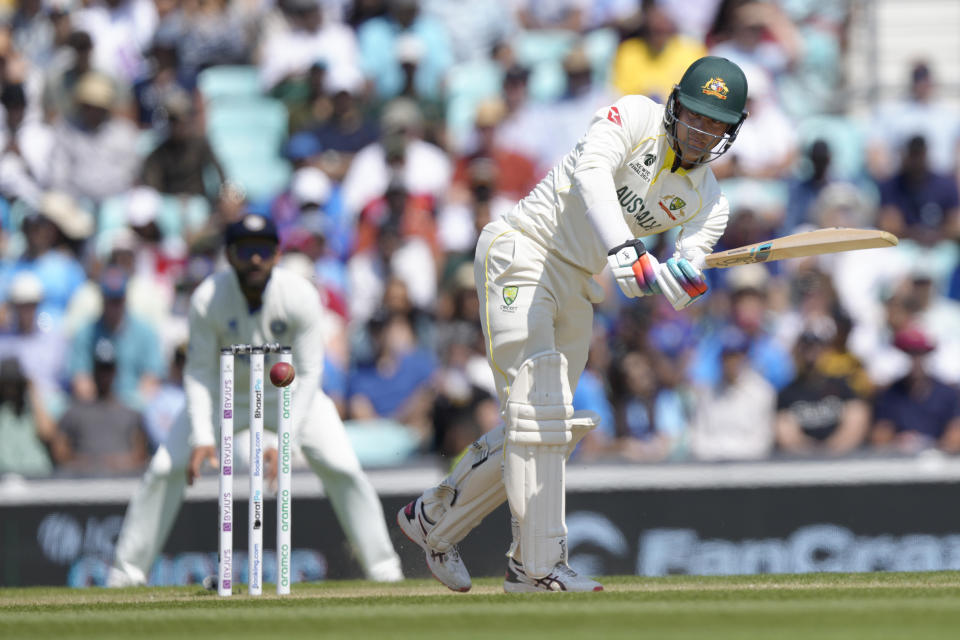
713,87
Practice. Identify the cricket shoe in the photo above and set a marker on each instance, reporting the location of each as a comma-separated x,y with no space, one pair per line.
446,567
562,578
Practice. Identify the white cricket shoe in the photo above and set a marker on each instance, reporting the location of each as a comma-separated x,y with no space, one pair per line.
447,567
562,578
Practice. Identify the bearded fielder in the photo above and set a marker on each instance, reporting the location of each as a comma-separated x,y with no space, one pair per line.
639,170
253,302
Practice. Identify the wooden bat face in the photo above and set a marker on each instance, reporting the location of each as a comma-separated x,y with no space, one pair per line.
800,245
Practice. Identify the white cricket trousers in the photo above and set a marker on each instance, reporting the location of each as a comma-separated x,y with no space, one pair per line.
323,440
531,301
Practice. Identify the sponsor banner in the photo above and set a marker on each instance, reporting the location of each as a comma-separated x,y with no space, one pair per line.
893,527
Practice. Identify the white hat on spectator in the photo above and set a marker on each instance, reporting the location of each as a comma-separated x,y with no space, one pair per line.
123,239
408,49
95,89
401,114
63,211
25,288
143,206
345,78
748,277
310,186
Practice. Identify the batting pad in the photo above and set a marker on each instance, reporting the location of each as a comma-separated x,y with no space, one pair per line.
541,427
472,490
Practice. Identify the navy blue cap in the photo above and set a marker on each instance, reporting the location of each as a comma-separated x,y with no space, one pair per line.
251,226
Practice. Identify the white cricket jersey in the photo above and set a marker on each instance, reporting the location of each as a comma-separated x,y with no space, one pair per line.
291,314
622,166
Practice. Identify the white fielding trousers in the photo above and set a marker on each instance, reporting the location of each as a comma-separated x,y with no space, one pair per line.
323,440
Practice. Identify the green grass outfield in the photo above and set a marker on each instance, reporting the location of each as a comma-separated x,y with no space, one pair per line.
821,606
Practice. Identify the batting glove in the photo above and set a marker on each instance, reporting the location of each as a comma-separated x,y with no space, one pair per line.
681,283
634,269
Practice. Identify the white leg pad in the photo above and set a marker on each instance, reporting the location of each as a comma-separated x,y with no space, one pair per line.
472,490
541,430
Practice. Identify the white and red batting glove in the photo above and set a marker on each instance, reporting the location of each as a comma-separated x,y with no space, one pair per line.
680,282
634,269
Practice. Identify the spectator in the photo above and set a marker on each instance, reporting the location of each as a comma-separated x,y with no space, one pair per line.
463,408
408,259
183,163
917,202
102,434
207,33
53,234
32,338
514,173
921,113
28,433
803,192
121,31
405,35
650,62
136,353
750,315
517,130
25,146
760,35
170,398
422,168
569,15
396,382
818,414
734,418
304,38
348,129
766,147
635,400
475,32
65,72
95,153
163,77
917,411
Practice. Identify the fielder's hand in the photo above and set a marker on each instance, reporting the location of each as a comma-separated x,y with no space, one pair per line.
197,457
681,283
634,269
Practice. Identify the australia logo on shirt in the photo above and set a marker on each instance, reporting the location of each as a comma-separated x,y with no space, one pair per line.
672,206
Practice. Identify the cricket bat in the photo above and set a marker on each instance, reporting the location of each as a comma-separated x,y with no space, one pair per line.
801,245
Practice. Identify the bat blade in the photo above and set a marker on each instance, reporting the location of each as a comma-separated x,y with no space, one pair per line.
801,245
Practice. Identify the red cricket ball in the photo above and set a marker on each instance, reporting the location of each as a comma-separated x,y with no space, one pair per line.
281,374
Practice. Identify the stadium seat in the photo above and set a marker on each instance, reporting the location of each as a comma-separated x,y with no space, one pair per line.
380,443
263,116
261,178
600,46
542,45
547,81
179,214
228,81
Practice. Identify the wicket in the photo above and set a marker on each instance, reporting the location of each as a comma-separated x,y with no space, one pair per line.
255,512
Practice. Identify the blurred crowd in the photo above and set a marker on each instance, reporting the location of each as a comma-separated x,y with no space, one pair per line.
380,136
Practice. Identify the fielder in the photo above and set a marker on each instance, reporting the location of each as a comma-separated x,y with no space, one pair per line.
638,170
253,303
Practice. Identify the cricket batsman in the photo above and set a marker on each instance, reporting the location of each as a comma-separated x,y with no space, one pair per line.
253,303
638,170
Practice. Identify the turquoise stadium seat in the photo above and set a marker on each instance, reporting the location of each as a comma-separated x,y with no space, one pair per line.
600,46
542,45
469,83
229,81
380,442
547,81
262,178
244,144
180,214
263,116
